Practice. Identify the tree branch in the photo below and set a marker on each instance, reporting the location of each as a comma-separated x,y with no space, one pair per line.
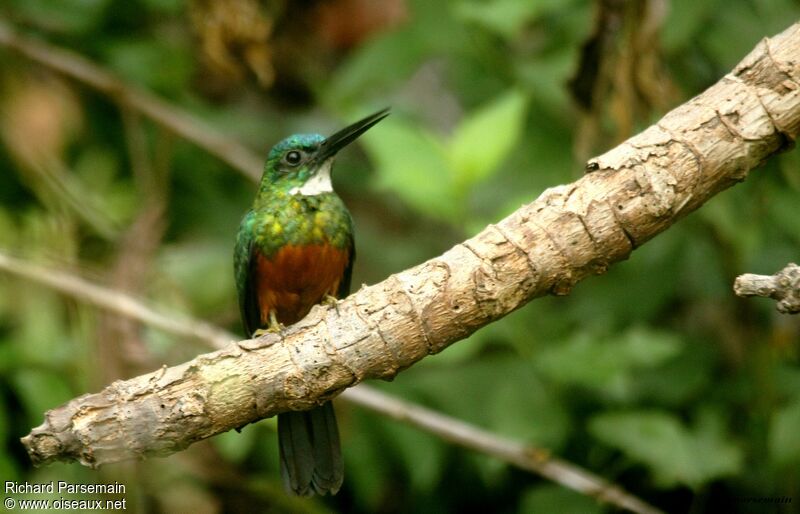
635,191
523,456
783,286
178,121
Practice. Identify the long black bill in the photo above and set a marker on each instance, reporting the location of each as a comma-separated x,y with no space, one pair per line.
347,135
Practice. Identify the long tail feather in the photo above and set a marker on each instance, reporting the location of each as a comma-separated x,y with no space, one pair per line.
329,469
311,459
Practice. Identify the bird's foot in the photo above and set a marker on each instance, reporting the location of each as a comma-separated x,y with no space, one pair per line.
274,327
331,301
269,330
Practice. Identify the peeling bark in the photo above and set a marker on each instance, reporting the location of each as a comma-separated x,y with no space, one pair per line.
632,193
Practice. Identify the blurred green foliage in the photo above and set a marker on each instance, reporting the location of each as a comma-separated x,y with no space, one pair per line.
653,375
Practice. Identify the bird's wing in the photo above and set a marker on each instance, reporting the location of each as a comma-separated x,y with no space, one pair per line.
243,260
344,285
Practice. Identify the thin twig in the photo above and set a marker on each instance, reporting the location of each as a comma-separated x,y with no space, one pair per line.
525,457
175,119
115,301
450,429
783,286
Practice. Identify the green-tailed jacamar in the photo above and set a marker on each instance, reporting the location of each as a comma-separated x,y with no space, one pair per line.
294,250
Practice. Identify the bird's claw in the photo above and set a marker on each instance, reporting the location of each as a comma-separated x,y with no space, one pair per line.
269,330
331,301
274,327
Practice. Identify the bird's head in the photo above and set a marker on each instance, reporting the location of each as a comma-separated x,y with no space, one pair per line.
301,164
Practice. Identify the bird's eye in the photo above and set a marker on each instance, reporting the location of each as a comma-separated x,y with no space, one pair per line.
293,158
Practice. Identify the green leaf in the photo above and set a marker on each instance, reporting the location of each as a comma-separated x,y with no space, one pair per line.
735,31
366,462
412,163
96,182
784,435
735,224
4,421
674,453
546,76
685,19
366,70
553,498
521,406
389,59
8,469
593,362
40,391
502,394
422,454
782,207
155,63
175,7
507,18
485,138
41,337
73,16
183,263
236,446
681,379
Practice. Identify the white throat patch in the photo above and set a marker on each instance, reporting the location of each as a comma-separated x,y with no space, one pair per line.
318,184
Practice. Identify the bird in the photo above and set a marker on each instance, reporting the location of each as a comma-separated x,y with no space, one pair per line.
295,249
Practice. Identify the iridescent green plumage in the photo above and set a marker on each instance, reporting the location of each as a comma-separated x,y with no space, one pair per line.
278,219
294,248
289,219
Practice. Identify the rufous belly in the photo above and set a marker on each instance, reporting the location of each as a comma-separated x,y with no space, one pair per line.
296,278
